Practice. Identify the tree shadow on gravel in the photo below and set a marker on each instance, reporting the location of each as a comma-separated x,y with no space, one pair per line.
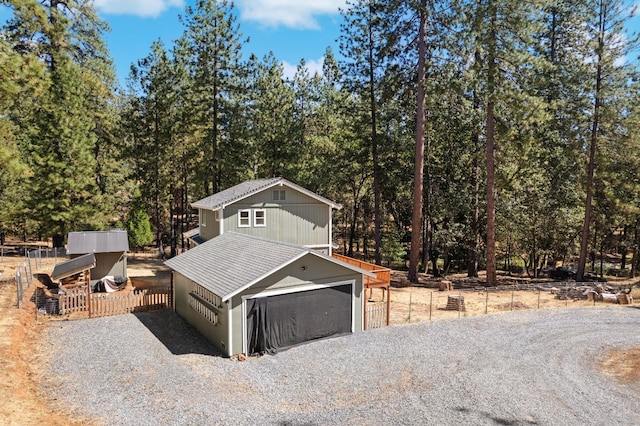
497,420
176,334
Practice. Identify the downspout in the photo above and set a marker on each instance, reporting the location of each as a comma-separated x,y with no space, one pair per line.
229,328
330,230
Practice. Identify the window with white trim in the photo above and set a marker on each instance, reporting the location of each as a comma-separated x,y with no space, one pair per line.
259,217
244,218
203,217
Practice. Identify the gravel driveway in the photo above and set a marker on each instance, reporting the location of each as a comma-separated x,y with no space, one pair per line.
521,368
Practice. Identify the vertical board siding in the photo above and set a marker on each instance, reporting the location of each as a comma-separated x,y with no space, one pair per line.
303,224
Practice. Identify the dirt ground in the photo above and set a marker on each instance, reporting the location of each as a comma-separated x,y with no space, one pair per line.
20,355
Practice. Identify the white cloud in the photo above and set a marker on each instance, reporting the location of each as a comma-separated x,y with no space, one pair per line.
298,14
142,8
313,66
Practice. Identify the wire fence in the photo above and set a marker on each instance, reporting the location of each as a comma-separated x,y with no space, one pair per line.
413,304
35,260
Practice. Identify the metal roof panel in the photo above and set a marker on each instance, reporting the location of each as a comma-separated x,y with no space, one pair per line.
232,262
83,242
73,266
245,189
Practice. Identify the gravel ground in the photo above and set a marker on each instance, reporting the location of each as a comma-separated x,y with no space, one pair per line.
529,367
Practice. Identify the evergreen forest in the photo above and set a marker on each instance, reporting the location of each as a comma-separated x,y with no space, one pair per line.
457,135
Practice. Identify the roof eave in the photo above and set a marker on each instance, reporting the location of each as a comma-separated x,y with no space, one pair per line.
263,276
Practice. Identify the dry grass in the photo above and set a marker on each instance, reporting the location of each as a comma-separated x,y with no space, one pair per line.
20,353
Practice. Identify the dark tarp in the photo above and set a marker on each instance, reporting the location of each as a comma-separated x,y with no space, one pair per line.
278,322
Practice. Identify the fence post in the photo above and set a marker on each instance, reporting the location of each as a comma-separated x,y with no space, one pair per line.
410,306
430,305
513,291
486,301
18,287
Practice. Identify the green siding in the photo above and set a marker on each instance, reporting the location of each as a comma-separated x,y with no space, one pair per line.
108,264
299,219
209,227
317,271
216,334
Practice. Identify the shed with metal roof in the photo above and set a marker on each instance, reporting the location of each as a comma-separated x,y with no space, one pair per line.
253,295
109,247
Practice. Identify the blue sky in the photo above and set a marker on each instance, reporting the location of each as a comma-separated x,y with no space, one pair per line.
292,29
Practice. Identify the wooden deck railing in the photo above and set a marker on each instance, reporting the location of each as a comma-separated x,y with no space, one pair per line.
373,314
383,275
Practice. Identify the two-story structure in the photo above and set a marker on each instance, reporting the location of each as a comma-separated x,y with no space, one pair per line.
275,209
262,276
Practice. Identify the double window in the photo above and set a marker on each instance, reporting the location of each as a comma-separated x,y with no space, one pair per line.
245,217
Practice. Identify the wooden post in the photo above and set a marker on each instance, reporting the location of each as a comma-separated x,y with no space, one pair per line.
87,278
513,290
430,305
486,302
364,302
388,304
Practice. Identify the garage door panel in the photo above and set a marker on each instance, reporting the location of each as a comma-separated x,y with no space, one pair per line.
277,322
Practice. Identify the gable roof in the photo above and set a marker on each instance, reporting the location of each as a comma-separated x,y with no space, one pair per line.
230,263
73,266
97,242
245,189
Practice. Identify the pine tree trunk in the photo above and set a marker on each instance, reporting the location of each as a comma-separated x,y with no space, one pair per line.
418,173
582,261
374,153
492,72
491,202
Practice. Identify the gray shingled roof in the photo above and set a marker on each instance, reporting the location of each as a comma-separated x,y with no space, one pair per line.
97,242
73,266
232,262
230,195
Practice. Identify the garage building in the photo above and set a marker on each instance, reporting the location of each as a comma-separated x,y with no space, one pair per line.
252,295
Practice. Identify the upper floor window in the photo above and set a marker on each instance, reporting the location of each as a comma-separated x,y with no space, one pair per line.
203,217
244,218
259,217
279,195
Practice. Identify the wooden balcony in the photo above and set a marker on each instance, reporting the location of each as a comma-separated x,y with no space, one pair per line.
382,280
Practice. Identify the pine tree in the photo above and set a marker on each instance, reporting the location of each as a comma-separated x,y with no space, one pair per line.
154,133
63,127
272,114
608,45
362,44
211,46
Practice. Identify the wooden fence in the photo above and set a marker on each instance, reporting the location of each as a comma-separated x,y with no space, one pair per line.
120,303
376,315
